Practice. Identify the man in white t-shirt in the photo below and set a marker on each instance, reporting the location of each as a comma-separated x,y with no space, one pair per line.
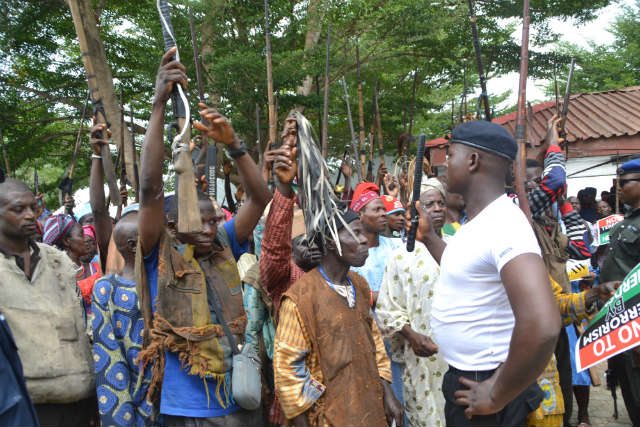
493,315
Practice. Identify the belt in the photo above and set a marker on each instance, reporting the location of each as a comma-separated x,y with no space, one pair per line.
472,374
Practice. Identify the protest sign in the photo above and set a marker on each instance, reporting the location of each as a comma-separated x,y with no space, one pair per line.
603,228
616,328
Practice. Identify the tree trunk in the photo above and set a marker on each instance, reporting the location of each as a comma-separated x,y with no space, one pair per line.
87,31
314,28
272,108
207,31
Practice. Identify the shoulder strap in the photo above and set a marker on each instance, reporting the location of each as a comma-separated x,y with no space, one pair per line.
214,302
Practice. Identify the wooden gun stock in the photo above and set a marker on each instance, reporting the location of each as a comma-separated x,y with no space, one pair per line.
189,220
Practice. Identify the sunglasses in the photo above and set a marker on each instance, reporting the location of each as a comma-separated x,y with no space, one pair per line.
625,181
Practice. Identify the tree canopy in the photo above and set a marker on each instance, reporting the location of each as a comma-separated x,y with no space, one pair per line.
603,67
44,85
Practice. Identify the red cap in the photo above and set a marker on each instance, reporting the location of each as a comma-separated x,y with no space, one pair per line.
364,193
392,205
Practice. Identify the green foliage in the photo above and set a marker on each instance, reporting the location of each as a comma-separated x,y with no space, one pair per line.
43,82
607,67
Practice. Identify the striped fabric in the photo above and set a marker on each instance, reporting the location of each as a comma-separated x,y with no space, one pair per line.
541,198
575,230
298,377
553,183
572,306
56,227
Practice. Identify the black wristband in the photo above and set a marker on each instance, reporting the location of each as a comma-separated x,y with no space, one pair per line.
238,152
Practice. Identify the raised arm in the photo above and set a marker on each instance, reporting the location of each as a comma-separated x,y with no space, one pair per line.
151,217
532,342
276,255
426,233
258,194
554,175
102,220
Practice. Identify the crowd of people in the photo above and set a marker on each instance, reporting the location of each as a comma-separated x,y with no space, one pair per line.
298,303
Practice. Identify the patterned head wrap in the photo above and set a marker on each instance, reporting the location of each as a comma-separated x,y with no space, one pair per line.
364,193
56,228
89,230
432,184
81,211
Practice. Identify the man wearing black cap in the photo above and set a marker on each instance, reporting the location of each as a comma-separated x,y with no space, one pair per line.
494,339
623,256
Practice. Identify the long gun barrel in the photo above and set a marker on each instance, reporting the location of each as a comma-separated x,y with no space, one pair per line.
135,155
66,184
325,114
258,142
189,220
483,78
378,122
566,100
211,150
354,140
417,181
521,120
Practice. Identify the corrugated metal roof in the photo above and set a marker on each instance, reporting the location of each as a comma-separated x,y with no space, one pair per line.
591,116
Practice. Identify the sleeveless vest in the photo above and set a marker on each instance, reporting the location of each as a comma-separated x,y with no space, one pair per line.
342,338
553,245
182,321
45,316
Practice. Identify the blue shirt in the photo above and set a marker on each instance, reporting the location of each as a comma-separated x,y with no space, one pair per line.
373,268
183,394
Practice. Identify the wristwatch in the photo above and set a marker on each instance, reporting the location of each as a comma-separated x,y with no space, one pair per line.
237,152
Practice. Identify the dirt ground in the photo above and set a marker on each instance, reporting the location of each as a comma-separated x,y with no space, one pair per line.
601,406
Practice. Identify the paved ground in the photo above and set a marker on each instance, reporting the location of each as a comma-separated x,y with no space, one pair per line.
601,407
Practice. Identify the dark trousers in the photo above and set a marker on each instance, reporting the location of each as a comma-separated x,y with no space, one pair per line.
628,375
563,360
514,414
81,413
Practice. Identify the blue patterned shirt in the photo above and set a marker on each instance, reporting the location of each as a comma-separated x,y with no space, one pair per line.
117,331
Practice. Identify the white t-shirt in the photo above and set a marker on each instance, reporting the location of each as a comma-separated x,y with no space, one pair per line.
471,316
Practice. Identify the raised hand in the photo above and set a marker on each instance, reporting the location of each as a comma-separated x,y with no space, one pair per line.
391,185
69,204
169,73
382,171
345,167
219,128
424,223
285,163
553,137
98,137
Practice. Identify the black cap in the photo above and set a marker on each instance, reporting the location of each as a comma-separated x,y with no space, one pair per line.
346,214
486,136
